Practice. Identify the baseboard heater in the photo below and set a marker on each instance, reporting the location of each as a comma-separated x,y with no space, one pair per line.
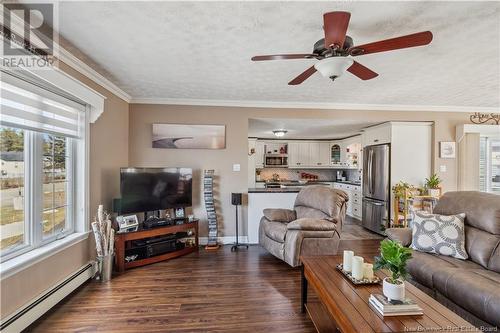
34,310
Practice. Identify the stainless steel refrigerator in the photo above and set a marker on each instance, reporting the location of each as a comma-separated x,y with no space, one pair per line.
376,191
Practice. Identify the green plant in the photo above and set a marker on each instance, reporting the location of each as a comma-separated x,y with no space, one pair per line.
432,182
393,257
400,188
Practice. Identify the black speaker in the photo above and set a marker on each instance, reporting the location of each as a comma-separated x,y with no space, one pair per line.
236,198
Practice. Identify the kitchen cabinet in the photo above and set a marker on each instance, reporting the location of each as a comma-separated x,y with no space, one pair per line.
299,154
376,135
324,153
335,154
319,154
410,152
351,151
355,198
259,154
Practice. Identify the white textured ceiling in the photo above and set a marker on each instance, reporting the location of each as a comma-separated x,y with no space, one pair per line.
202,50
305,128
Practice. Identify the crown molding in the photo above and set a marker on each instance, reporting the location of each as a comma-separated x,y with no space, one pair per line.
72,61
78,65
313,105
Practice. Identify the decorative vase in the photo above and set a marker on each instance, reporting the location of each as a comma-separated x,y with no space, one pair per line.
434,192
394,291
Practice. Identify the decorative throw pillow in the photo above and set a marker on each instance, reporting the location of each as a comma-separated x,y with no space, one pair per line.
440,234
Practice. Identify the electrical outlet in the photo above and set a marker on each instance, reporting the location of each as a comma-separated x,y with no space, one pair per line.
236,167
442,168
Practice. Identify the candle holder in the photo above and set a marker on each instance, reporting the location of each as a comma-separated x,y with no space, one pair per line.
363,281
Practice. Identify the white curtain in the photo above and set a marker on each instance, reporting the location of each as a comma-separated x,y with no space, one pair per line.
468,162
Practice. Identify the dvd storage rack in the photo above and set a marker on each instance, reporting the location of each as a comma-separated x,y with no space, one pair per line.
208,193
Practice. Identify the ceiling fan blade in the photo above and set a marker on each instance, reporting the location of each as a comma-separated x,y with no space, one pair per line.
418,39
303,76
364,73
282,56
335,26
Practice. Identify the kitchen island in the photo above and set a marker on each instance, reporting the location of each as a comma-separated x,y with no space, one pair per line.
262,198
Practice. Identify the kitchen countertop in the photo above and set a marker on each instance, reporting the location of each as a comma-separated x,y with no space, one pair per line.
275,190
348,182
320,182
295,181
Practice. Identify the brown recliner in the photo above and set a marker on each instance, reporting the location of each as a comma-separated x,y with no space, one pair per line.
469,287
312,228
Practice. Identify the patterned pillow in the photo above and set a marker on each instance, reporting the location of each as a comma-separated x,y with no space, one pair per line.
440,234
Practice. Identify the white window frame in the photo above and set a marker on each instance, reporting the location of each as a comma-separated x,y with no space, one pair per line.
94,108
77,171
33,193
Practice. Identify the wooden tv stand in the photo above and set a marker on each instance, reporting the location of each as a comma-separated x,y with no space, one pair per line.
123,241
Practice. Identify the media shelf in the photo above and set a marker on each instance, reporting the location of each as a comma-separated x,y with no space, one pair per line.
123,243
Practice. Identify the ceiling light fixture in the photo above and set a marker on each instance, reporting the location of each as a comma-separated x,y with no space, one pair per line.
333,67
279,133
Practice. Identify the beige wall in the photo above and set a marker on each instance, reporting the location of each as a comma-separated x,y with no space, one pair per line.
142,116
108,152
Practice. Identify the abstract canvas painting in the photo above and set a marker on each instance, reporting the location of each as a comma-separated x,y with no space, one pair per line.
180,136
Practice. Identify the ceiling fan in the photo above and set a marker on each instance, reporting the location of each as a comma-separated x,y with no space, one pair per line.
334,50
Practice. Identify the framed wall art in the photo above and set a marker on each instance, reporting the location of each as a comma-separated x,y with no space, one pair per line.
182,136
447,149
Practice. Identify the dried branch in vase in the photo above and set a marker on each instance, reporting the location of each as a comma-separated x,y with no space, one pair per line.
103,232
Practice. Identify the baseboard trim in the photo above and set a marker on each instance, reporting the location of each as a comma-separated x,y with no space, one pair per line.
225,240
24,317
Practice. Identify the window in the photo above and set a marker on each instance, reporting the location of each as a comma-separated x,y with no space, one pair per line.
42,153
13,233
57,186
489,164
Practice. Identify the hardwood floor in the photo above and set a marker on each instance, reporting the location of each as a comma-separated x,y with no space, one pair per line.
247,291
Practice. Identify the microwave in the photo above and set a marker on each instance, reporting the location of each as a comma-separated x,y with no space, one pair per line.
276,161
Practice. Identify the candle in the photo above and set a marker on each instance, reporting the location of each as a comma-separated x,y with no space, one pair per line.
357,267
368,271
348,260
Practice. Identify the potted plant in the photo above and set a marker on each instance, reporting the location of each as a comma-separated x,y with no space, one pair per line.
401,187
393,257
432,185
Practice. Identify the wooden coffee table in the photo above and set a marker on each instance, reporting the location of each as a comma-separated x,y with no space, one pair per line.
343,307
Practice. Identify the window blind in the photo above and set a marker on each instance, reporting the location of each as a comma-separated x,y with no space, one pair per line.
25,105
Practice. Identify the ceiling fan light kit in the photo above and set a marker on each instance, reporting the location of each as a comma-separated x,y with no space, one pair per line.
334,51
333,67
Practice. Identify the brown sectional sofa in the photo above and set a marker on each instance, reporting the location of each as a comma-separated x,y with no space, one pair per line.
469,287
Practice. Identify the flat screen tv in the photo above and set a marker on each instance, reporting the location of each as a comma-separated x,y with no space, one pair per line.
150,189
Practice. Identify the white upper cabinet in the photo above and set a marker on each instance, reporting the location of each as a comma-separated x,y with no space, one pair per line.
259,154
351,152
293,154
304,153
324,154
376,135
299,154
335,154
315,152
319,154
